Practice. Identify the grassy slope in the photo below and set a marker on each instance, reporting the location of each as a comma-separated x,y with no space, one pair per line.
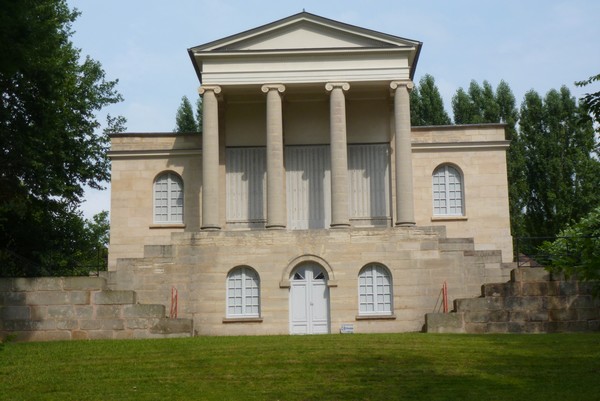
337,367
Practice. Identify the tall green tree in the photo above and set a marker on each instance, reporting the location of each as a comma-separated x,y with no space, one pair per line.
481,104
51,144
562,175
426,104
591,100
477,105
184,119
199,114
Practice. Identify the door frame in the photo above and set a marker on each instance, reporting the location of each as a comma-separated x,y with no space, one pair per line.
310,296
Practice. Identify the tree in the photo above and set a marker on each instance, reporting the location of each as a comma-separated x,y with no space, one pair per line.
476,106
50,142
199,114
479,105
185,122
562,176
591,100
577,249
517,183
184,119
426,104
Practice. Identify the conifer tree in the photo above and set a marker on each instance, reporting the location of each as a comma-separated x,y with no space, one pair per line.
562,176
184,119
427,106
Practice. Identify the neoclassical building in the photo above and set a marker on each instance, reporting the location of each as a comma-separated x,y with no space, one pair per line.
308,203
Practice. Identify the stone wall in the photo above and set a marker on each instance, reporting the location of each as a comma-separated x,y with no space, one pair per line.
533,301
77,308
419,260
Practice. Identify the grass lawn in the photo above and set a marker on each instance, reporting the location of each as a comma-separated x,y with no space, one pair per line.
330,367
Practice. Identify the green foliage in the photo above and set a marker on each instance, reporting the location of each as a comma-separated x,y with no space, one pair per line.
50,142
76,246
577,249
477,106
412,366
199,114
482,105
184,119
591,100
426,104
562,176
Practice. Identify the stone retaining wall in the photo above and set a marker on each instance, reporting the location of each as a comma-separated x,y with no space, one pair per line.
533,301
77,308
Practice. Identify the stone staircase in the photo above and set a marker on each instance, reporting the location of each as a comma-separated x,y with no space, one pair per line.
77,308
533,301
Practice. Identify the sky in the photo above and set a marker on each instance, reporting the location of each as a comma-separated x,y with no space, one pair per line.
530,44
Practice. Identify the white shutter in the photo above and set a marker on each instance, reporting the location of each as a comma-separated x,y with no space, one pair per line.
369,181
308,186
246,184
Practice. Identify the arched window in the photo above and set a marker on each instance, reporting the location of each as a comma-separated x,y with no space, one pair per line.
243,293
375,290
447,191
168,198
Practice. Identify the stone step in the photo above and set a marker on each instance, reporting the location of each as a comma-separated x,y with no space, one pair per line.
498,289
119,297
160,251
457,244
486,256
173,327
444,323
530,274
478,304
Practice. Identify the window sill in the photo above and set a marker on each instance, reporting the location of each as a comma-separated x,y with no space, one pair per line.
449,218
376,317
242,320
167,225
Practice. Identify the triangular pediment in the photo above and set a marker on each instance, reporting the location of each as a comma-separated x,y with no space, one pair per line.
305,31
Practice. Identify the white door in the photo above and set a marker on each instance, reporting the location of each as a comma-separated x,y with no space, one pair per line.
309,300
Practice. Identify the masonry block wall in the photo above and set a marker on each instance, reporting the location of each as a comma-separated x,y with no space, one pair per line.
77,308
419,260
533,301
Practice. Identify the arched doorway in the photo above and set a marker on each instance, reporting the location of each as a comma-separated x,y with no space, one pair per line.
309,300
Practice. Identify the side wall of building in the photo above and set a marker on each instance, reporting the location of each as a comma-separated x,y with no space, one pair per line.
479,154
136,162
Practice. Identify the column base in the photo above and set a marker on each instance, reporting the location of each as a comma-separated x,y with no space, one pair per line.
340,225
210,228
275,227
404,224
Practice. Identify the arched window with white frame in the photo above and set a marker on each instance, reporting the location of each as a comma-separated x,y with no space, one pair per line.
243,293
448,194
168,198
375,290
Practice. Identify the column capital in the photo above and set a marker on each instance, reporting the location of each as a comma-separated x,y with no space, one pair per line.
329,86
268,87
214,88
408,84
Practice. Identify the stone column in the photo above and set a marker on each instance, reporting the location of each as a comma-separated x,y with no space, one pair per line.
339,154
210,157
403,154
276,207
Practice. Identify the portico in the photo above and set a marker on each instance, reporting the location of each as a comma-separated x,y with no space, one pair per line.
278,62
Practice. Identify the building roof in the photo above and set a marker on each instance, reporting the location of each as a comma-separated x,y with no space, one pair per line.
301,34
